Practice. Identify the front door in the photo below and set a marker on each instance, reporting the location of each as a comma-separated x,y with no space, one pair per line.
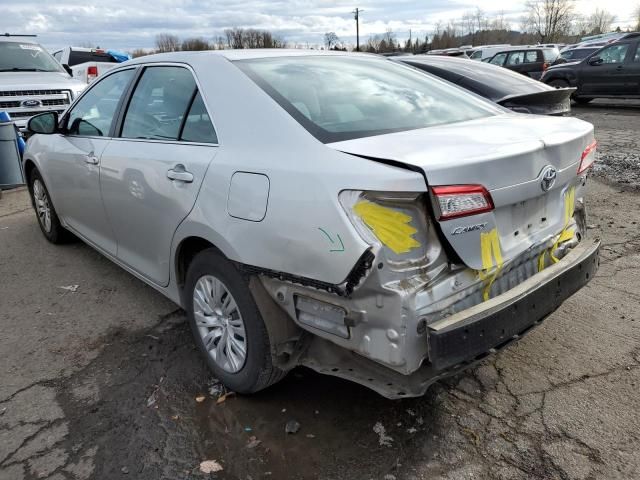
74,173
607,76
151,174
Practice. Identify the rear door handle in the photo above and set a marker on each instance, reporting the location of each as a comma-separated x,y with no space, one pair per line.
180,174
91,159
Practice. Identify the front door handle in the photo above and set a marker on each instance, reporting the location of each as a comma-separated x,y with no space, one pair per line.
91,159
620,67
180,174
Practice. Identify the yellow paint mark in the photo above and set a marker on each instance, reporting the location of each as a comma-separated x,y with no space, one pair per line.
566,233
390,226
491,260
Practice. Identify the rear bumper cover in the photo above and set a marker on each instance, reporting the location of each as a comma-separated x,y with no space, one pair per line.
476,331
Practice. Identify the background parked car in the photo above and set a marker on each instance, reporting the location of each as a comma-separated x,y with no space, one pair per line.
527,61
87,64
31,81
611,72
509,89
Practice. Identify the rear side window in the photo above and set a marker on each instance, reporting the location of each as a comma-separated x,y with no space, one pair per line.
550,54
531,57
515,58
159,104
197,126
76,58
498,59
344,97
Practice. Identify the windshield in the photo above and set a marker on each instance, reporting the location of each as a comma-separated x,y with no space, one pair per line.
26,57
344,97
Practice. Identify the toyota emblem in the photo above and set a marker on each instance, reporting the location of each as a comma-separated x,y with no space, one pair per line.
548,178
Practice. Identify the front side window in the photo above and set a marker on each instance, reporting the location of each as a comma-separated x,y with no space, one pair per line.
614,53
498,59
342,97
94,112
159,104
636,57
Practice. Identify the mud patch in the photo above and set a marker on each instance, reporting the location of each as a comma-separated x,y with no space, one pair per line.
134,410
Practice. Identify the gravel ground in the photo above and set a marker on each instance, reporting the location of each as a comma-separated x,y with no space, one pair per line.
104,382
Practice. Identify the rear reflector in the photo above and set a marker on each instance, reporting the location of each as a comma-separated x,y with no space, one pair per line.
461,200
588,157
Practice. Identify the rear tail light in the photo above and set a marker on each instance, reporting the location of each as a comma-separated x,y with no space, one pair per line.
92,73
545,66
462,200
588,157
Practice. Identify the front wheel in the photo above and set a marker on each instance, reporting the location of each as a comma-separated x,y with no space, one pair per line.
227,325
48,219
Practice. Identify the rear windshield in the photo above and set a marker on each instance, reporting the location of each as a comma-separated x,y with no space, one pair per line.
344,97
550,54
76,58
26,57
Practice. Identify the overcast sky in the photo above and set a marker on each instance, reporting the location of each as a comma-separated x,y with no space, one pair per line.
129,24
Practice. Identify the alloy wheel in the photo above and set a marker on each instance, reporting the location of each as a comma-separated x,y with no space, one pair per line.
43,207
220,323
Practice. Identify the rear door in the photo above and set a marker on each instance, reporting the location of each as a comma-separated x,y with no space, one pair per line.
608,76
152,172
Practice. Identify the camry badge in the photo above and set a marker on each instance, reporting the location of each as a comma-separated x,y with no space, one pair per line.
469,228
548,178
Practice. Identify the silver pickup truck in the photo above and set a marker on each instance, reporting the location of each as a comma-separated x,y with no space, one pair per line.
32,81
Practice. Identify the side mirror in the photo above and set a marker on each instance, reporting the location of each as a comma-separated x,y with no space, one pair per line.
67,69
45,123
595,61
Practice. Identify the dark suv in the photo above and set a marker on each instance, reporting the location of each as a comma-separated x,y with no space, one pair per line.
528,61
613,71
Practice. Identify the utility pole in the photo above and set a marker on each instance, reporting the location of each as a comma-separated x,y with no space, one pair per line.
356,14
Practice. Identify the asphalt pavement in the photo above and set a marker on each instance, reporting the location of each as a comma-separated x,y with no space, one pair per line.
100,378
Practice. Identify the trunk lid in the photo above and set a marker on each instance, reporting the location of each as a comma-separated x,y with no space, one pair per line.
507,155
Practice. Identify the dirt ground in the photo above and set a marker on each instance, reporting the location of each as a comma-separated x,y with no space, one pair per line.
101,382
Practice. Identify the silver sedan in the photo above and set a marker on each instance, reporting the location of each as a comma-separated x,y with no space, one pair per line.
332,210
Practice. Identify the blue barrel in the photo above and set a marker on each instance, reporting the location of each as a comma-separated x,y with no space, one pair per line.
5,117
11,174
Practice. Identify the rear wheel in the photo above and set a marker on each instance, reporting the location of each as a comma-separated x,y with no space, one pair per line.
48,219
227,325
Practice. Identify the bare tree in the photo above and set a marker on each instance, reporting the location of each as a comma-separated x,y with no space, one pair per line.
252,38
165,42
195,44
549,19
637,15
139,52
331,40
600,21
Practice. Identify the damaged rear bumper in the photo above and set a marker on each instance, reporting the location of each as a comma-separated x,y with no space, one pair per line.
477,330
464,338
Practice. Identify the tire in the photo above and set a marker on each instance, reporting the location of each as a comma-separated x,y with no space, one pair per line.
582,101
213,285
46,214
558,83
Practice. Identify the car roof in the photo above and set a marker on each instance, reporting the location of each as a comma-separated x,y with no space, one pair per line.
244,54
6,37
